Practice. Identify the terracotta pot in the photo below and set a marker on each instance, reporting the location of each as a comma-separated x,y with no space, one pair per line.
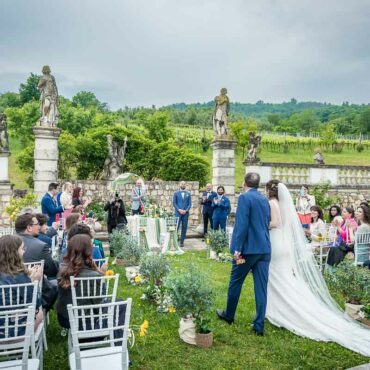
204,340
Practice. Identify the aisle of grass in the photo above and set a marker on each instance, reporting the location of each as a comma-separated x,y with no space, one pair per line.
235,347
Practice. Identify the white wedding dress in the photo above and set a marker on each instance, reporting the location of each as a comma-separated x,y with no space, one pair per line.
297,297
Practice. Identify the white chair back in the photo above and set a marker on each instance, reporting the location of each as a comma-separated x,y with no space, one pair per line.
99,287
18,296
101,261
102,351
327,240
362,247
16,329
7,231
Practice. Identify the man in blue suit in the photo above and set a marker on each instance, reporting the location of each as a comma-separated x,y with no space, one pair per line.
250,245
221,209
207,198
182,204
49,204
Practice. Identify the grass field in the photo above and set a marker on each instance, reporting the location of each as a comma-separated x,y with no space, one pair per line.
235,347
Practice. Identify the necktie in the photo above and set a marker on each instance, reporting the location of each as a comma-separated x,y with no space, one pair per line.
139,191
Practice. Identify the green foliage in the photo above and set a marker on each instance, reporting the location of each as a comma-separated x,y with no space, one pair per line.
364,120
321,193
154,268
22,120
352,282
87,99
202,324
157,126
190,291
126,247
327,136
17,204
366,311
29,91
218,240
9,100
26,162
67,146
96,210
360,147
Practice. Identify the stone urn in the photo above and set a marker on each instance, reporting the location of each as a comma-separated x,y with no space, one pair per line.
204,340
131,272
187,330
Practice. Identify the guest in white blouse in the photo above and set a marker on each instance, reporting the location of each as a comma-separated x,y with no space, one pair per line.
65,197
317,228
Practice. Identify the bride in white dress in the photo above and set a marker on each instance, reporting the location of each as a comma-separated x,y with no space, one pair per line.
297,297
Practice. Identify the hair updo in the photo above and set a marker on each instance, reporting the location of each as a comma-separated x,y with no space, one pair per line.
272,189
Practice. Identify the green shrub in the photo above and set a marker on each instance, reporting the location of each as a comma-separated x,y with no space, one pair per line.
154,268
360,147
126,247
351,282
218,240
96,210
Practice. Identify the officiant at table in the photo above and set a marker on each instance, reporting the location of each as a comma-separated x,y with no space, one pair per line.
138,198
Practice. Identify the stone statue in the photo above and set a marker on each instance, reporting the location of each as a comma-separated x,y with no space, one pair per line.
222,108
4,142
318,157
254,143
113,165
49,99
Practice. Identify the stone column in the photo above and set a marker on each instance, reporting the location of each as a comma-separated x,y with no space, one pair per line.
223,166
46,158
5,186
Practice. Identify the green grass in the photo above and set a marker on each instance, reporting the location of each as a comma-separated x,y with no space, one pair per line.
235,347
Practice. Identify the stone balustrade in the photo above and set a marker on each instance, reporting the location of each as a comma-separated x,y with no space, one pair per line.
310,174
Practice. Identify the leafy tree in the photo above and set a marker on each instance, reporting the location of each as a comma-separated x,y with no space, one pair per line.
364,121
29,91
157,126
26,163
274,118
327,135
87,99
9,100
241,131
67,146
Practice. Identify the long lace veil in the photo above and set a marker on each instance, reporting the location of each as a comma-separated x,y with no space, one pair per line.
302,257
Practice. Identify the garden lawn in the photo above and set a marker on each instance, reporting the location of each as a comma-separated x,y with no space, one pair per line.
235,347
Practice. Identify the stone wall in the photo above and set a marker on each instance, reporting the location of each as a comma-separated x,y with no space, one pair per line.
161,192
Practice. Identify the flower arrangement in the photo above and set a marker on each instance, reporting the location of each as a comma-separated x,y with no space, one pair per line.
109,273
224,257
153,210
144,328
160,297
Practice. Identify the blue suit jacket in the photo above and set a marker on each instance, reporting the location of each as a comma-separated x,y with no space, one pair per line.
207,204
251,229
221,210
180,203
48,207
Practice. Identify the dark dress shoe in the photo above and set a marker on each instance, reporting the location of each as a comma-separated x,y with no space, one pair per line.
221,315
259,333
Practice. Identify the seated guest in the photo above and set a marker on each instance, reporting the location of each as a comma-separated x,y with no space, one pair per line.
221,209
345,237
317,226
77,262
334,211
28,228
13,271
45,233
77,201
72,219
49,204
363,218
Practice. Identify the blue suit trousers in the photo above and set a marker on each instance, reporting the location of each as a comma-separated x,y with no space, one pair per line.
219,222
183,220
259,264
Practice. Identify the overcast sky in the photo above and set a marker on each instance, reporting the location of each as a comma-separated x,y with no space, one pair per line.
144,52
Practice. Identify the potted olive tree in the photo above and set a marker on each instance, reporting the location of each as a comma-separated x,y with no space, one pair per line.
192,296
218,242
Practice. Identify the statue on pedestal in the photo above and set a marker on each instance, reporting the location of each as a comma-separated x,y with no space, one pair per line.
113,165
49,99
220,113
254,143
4,142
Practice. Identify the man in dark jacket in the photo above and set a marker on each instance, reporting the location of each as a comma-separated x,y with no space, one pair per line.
207,198
116,213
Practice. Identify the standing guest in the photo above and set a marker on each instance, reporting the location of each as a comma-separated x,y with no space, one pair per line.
304,203
207,211
363,218
317,226
138,198
28,228
182,203
221,209
49,205
116,213
64,198
251,247
334,211
345,231
13,271
77,201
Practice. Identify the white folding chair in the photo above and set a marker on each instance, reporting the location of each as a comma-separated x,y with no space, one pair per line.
7,231
102,352
21,296
16,331
41,264
362,248
101,261
328,239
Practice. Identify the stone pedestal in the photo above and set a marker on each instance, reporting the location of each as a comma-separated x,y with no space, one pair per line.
46,158
5,187
223,166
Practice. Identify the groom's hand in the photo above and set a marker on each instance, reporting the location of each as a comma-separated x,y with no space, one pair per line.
236,255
